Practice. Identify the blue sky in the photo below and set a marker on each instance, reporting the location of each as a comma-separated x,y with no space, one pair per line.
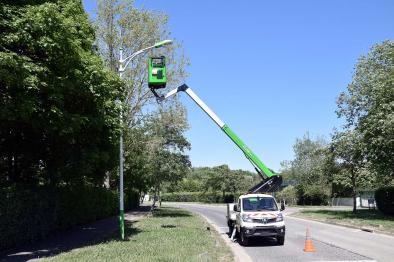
271,70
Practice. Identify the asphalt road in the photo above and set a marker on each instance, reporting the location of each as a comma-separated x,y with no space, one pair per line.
332,243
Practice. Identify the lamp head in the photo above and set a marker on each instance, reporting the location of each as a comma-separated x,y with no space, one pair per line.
163,43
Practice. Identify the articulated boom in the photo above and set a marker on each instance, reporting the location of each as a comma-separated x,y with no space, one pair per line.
270,182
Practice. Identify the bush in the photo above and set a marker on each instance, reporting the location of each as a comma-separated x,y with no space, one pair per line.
207,197
384,198
31,214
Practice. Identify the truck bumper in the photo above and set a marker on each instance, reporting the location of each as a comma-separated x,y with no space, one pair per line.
269,231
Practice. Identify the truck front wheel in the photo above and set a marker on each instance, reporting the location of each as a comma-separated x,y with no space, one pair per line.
280,240
244,240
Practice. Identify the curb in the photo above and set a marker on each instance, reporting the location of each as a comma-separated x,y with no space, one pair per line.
239,253
347,226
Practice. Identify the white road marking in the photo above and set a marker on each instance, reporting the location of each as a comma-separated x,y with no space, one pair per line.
345,261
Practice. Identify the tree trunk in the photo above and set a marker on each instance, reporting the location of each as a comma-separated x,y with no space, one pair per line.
354,191
142,196
159,190
154,198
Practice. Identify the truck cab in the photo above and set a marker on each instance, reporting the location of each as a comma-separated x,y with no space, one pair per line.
256,215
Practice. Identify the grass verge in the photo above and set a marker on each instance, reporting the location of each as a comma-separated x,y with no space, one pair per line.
171,234
371,219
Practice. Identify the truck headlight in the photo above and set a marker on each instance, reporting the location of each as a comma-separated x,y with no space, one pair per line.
279,217
246,218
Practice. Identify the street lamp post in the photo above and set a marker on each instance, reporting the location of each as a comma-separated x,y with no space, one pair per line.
123,63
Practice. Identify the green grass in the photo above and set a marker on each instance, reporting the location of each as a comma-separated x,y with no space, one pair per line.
372,219
171,234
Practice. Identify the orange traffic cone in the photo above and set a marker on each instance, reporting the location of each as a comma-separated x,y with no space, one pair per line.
308,243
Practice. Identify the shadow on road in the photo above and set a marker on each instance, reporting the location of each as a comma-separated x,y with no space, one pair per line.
262,242
258,241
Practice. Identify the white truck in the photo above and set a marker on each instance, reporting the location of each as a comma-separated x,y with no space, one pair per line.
256,215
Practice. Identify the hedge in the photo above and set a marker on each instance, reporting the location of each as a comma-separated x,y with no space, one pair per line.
384,198
31,214
207,197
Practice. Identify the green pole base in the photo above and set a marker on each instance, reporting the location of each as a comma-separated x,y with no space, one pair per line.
121,224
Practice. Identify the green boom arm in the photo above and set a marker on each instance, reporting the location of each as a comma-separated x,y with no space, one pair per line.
248,153
272,181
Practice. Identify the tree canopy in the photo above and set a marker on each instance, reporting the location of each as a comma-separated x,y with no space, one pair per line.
368,106
55,93
148,134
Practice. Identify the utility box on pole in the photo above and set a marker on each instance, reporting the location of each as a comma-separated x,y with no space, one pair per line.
157,72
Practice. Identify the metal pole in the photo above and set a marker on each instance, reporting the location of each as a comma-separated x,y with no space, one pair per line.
122,66
121,201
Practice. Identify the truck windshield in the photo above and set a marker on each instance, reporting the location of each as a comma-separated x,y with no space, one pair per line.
259,204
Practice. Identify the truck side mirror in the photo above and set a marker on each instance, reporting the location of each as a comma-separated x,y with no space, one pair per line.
235,208
282,206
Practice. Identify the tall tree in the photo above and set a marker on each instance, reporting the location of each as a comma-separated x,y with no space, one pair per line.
310,169
353,171
54,94
120,25
168,148
219,179
368,106
309,157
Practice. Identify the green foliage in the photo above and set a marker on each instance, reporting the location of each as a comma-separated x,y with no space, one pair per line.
205,197
348,150
310,171
368,107
213,179
55,93
309,160
312,195
149,135
137,164
288,194
140,28
384,197
222,179
187,184
168,159
31,214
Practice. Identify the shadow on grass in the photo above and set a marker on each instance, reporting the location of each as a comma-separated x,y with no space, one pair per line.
95,233
129,232
348,214
170,212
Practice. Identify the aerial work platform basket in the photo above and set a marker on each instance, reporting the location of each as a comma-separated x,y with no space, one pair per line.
157,73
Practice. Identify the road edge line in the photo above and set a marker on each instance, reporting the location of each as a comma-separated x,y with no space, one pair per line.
385,234
239,254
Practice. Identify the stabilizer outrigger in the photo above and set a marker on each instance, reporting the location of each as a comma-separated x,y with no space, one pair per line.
271,182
